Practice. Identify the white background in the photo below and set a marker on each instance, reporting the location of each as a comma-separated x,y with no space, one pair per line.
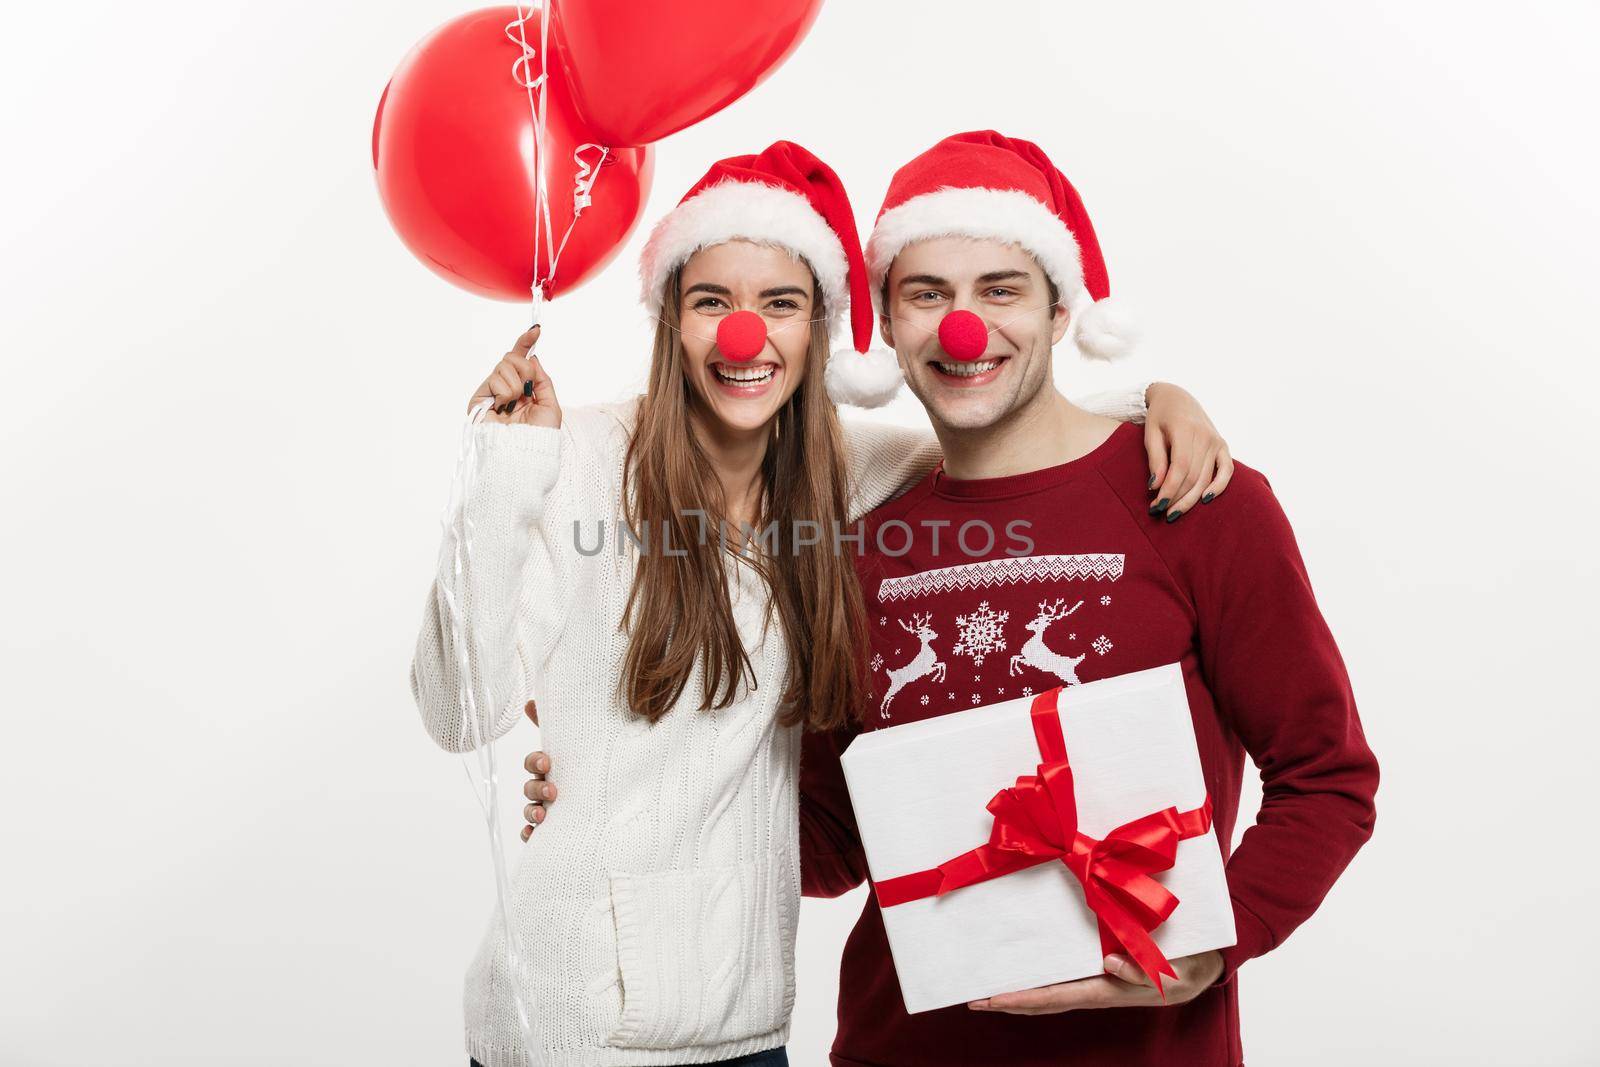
1363,234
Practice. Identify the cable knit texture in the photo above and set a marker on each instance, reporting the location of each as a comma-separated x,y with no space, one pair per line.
657,902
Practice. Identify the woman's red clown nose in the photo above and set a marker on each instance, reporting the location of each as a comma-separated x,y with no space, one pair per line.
963,335
741,336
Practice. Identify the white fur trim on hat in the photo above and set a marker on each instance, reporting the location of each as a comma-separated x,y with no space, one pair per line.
753,211
866,379
994,214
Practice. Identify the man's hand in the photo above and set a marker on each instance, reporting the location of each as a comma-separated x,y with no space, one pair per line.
538,791
1189,460
1123,985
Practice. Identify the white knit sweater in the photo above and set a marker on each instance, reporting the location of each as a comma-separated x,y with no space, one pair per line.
658,901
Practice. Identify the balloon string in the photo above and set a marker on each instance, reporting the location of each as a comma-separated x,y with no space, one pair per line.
586,173
522,74
582,193
479,734
542,195
521,70
583,181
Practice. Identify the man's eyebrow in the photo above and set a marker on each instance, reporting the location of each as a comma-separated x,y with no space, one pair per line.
924,279
1002,276
784,290
720,290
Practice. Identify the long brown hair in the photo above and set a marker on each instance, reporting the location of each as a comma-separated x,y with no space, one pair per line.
678,609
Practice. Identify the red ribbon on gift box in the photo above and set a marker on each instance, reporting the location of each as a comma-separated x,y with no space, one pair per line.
1036,821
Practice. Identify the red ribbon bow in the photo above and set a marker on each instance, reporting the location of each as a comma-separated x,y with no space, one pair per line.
1036,821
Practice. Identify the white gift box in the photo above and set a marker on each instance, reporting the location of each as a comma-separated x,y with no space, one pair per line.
920,792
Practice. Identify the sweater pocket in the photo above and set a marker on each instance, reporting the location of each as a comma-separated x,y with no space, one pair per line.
706,955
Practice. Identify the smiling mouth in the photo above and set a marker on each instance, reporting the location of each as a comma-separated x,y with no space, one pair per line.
745,374
966,369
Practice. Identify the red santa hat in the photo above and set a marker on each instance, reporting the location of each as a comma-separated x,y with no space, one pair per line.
983,184
788,197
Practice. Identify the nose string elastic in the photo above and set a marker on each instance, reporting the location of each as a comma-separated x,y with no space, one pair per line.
934,332
702,337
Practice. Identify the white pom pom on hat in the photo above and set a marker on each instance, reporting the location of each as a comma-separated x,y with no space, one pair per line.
867,379
1103,330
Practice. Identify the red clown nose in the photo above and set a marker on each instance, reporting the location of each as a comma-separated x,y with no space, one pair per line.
741,336
963,335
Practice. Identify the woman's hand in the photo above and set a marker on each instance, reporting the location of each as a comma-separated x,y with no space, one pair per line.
1189,460
538,791
522,392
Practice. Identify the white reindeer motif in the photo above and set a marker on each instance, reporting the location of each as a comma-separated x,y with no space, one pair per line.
1035,653
924,663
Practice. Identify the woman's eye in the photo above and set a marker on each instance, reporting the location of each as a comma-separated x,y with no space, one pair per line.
707,303
784,305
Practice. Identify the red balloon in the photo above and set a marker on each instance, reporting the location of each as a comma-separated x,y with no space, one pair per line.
453,147
643,69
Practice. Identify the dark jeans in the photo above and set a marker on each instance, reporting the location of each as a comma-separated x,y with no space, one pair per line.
772,1057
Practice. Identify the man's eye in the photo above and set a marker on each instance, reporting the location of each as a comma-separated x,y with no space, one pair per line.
1001,290
924,296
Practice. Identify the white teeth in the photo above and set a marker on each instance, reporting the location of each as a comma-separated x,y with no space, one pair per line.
744,375
968,370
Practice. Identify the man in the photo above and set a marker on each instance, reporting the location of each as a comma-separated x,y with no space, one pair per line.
985,224
1034,557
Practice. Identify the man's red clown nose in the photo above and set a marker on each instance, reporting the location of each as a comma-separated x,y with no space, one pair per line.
741,336
963,335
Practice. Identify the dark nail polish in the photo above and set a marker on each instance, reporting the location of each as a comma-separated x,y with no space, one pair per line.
527,387
1207,498
1172,516
1159,506
1151,484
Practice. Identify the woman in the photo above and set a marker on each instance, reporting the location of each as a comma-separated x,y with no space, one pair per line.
680,659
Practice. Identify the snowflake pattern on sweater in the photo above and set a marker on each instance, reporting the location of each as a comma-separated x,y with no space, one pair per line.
1036,591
